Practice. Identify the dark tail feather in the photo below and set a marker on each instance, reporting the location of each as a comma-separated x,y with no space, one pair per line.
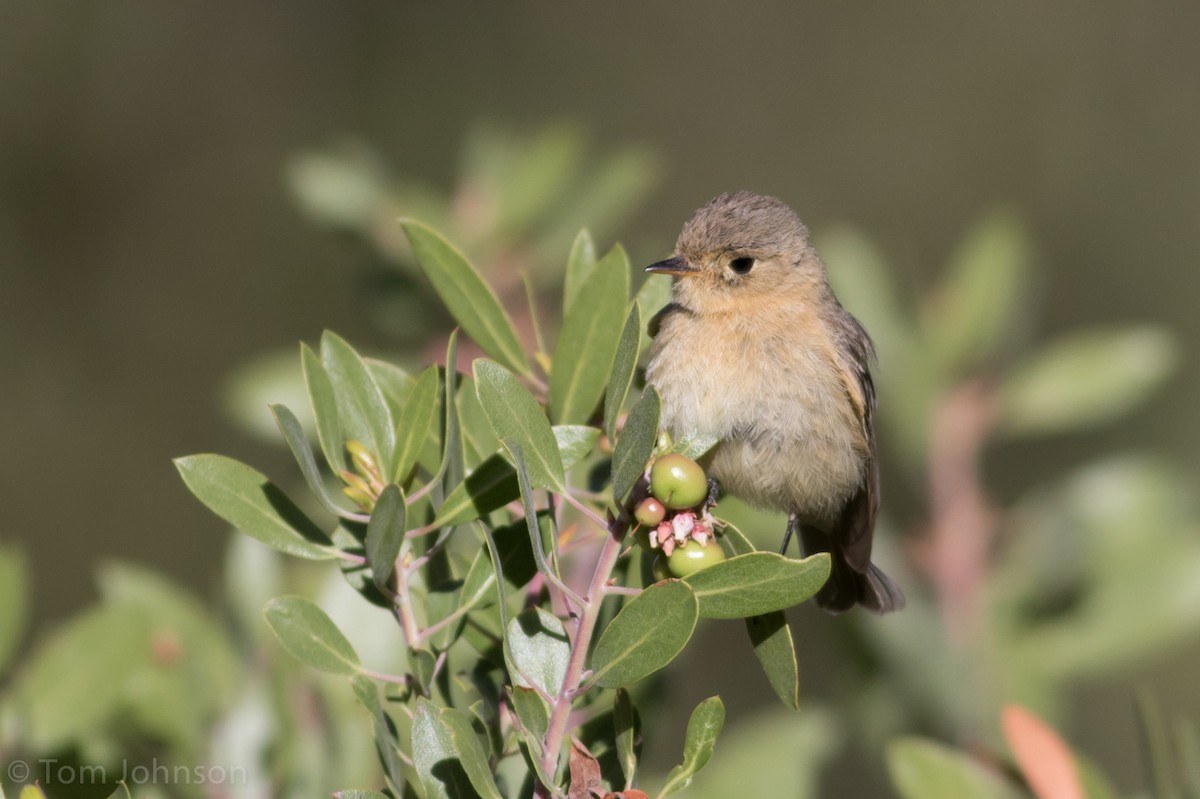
847,586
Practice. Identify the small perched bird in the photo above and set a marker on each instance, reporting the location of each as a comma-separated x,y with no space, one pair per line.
755,350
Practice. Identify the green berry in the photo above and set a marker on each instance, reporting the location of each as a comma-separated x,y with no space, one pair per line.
660,569
678,482
694,556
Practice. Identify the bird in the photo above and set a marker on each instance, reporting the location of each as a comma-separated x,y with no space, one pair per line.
754,350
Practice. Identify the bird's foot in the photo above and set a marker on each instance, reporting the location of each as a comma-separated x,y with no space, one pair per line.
710,500
793,525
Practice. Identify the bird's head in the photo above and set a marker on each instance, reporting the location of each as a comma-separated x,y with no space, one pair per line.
739,251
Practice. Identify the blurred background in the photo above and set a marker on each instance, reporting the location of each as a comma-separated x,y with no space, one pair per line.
186,191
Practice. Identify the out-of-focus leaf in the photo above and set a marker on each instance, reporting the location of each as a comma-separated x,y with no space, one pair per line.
310,636
922,769
624,365
636,444
385,533
453,465
652,297
343,189
646,635
627,727
245,498
978,301
1045,760
466,295
438,760
702,731
1156,745
588,341
385,736
356,793
14,598
58,701
540,649
1086,379
415,420
694,445
580,263
273,377
324,405
575,441
293,434
757,583
515,414
362,410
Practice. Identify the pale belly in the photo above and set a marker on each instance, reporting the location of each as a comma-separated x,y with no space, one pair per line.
788,437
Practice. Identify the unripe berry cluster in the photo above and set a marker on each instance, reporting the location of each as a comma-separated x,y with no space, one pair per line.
678,522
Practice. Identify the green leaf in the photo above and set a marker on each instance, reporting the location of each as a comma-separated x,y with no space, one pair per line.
776,652
385,735
385,533
248,501
466,295
922,769
1086,379
652,297
624,365
628,730
757,583
452,469
575,442
646,635
310,636
395,383
470,753
695,445
14,598
436,757
588,341
979,299
491,486
532,712
636,444
580,264
515,414
531,514
539,649
324,405
62,703
517,562
362,410
702,730
358,793
293,434
415,420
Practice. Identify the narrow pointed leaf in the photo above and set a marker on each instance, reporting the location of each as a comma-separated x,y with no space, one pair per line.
324,405
636,444
624,365
415,420
922,769
395,383
628,731
575,442
385,534
515,414
470,754
357,793
466,295
293,434
703,728
310,636
694,445
1046,761
435,756
646,635
1086,379
517,560
588,341
385,734
540,650
531,711
245,499
531,516
652,297
452,468
580,263
757,583
362,410
776,653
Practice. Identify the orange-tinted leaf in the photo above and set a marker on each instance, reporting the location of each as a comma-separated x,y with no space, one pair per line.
1044,759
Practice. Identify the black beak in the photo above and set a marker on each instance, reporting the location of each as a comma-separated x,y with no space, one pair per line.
672,266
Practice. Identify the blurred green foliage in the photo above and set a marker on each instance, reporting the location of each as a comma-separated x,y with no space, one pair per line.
1008,603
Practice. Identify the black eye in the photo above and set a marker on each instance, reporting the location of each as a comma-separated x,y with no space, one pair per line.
741,266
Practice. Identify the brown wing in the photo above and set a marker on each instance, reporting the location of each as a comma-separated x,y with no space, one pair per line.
856,526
